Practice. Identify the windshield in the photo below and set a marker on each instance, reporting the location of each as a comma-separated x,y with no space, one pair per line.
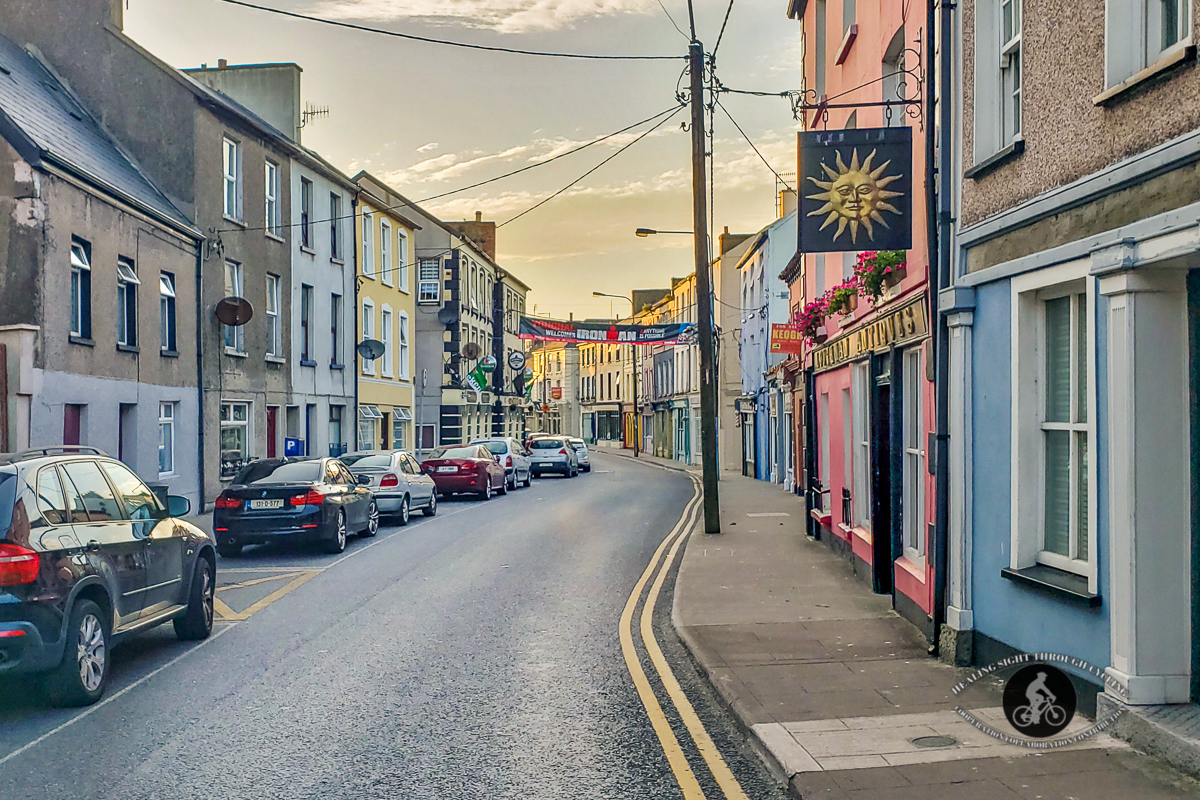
547,444
367,460
499,448
266,472
454,452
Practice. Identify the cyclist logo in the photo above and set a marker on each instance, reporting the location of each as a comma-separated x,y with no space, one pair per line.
1039,700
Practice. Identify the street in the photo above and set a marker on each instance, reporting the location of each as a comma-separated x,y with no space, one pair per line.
474,654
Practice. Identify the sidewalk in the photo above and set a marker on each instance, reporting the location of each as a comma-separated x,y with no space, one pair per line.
835,687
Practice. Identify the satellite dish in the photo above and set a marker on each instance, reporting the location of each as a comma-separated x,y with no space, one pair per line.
235,311
472,350
447,316
370,349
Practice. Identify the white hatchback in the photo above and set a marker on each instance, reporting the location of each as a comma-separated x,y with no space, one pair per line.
513,457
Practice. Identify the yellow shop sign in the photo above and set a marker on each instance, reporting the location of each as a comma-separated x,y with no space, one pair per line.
901,325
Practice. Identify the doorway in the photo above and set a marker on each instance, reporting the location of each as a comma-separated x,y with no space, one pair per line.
881,474
272,430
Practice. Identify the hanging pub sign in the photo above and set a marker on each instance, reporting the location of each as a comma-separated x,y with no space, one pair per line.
551,330
787,339
856,190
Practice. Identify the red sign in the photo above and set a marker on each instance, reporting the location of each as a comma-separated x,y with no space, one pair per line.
786,339
556,393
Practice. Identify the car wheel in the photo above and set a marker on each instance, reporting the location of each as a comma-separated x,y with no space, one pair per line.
373,522
486,493
229,549
588,468
403,515
337,543
79,680
431,509
504,486
512,485
198,621
528,478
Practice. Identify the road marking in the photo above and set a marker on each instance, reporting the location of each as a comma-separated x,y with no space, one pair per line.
235,616
658,720
290,574
704,743
93,709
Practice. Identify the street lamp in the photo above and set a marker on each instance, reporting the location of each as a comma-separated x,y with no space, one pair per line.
637,415
644,232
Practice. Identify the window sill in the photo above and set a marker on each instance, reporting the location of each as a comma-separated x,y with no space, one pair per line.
1057,582
337,366
274,237
996,159
128,348
229,351
307,362
83,340
168,353
307,250
239,222
822,517
370,277
339,261
270,359
1171,60
427,302
843,50
405,289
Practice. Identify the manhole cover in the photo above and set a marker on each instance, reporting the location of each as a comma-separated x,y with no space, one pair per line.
935,741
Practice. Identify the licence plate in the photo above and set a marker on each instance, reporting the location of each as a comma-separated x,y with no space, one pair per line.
544,464
447,469
266,503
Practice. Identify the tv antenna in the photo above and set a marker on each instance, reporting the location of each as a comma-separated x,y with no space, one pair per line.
312,112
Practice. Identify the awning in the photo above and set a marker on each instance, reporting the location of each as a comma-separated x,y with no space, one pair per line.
401,414
369,412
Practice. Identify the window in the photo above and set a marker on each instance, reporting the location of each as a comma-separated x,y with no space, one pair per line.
401,417
913,503
385,336
306,213
473,286
861,399
166,311
385,254
998,77
335,328
368,234
274,329
337,444
272,200
823,435
140,503
404,351
98,499
894,86
233,180
166,438
335,226
429,281
127,283
235,437
819,48
306,311
1142,32
368,332
235,335
1010,69
1065,430
51,502
847,15
402,260
368,426
81,289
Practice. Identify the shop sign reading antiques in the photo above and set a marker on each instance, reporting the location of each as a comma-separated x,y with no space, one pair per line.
906,323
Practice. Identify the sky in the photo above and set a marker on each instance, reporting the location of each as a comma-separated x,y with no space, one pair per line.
429,119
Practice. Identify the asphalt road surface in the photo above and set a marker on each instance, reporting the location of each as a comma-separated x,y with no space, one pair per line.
472,655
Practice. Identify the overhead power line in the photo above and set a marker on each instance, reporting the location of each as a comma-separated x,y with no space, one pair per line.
429,40
542,202
668,13
754,147
721,35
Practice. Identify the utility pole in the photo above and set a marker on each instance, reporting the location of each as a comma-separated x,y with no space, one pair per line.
708,376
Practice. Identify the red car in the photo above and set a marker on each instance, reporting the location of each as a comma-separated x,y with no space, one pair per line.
467,468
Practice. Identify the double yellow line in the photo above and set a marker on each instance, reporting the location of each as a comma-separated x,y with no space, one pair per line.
684,775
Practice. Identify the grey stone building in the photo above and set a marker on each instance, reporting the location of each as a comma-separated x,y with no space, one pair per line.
97,291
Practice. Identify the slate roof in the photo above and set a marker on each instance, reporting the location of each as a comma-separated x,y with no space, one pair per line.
46,123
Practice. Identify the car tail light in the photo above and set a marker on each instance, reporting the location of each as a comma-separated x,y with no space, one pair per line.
17,565
508,461
225,501
11,634
562,452
311,498
389,480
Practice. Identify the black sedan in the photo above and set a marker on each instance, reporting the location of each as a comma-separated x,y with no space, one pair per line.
310,499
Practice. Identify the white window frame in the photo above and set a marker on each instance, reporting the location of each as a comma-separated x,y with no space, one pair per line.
860,396
231,158
336,245
913,453
429,288
168,313
274,328
81,262
368,260
1133,37
271,200
405,351
1028,295
998,122
307,317
127,283
1011,63
226,420
386,272
385,336
402,260
823,470
368,332
235,283
166,438
308,190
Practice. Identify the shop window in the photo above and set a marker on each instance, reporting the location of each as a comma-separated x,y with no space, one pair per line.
913,503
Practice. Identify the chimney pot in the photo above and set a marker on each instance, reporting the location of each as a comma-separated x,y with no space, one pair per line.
726,230
222,63
479,216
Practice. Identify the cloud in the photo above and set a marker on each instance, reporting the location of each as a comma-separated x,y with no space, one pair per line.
459,167
425,148
504,16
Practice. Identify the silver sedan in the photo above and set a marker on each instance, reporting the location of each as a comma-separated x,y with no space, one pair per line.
399,485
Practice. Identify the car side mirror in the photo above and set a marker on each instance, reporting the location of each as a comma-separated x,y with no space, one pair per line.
178,506
363,480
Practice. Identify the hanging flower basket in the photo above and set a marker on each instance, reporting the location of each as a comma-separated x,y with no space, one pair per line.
878,271
895,275
843,298
819,336
812,317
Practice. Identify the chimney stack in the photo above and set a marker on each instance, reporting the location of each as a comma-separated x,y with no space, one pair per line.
479,216
222,63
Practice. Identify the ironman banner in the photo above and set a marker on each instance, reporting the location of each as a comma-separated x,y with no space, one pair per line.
551,330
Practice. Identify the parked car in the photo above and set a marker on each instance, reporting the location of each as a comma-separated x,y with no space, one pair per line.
581,453
513,457
395,477
90,556
529,440
466,468
553,454
313,499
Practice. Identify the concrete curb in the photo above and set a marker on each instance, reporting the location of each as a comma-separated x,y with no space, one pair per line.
1156,731
649,463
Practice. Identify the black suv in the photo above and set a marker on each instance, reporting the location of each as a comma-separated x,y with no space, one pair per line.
88,556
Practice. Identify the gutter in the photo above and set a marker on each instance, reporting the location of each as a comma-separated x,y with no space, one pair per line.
354,316
200,372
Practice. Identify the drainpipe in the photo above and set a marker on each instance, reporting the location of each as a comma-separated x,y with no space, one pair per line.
942,232
355,316
200,466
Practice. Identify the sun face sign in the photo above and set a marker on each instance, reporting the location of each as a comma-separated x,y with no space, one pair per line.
855,195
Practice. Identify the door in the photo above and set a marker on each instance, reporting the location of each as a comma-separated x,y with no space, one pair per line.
108,538
418,488
272,430
161,538
72,422
881,474
358,498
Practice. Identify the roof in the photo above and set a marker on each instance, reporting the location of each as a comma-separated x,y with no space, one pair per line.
46,123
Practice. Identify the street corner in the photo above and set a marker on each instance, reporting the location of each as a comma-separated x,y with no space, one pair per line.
242,593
